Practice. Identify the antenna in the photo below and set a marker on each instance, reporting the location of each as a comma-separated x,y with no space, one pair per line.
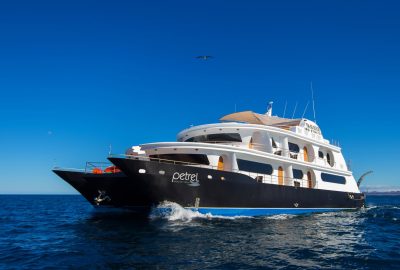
313,102
284,111
109,152
294,111
305,109
269,110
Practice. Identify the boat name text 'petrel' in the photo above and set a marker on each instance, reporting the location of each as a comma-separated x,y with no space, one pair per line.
188,178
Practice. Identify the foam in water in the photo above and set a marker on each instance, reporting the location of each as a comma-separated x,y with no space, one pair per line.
175,212
280,216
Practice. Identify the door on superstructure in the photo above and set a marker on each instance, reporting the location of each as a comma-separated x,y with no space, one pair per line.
220,164
280,176
251,143
305,151
309,179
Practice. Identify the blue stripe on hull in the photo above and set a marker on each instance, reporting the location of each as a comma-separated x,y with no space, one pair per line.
262,211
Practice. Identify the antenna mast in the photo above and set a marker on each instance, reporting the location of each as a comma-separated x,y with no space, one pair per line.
305,109
269,111
294,111
284,111
313,102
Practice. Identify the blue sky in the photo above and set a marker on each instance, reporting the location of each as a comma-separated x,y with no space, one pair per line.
77,76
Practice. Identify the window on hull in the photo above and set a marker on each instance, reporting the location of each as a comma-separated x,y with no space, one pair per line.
333,178
320,154
221,137
255,167
182,158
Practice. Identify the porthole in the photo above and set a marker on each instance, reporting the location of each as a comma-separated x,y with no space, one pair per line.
161,172
142,171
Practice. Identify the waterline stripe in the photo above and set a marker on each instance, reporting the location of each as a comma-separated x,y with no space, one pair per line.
261,211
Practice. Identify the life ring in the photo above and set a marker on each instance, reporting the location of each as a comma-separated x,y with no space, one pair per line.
97,171
112,169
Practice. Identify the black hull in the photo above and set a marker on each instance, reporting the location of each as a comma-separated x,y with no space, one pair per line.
124,191
236,191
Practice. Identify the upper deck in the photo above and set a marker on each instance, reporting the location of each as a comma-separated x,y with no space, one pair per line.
295,147
299,139
301,126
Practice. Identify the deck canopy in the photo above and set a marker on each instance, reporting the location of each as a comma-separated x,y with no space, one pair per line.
260,119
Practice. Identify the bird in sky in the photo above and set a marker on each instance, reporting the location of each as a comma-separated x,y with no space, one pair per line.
204,57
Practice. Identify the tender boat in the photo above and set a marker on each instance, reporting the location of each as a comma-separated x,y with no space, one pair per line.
249,164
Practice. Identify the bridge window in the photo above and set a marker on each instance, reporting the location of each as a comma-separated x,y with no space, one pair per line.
218,138
255,167
333,178
294,147
320,154
181,158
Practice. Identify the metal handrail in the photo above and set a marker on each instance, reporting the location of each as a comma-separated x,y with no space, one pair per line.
273,178
312,158
91,165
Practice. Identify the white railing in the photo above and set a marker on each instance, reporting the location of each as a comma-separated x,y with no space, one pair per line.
279,151
91,166
262,178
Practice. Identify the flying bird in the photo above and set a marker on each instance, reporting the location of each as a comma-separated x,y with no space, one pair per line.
204,57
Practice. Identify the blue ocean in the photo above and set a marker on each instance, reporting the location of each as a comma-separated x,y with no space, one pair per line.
65,232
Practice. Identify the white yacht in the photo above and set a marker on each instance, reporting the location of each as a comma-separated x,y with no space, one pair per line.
248,164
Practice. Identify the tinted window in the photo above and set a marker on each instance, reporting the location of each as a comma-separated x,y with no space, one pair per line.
273,143
182,158
221,137
250,166
320,154
201,138
333,178
328,158
297,174
294,147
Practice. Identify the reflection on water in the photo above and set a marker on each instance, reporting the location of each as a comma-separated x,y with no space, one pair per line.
64,230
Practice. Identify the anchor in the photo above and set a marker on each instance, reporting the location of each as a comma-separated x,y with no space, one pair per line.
102,197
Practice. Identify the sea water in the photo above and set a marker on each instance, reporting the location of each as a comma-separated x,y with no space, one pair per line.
64,232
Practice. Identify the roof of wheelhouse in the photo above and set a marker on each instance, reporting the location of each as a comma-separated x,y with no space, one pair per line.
260,119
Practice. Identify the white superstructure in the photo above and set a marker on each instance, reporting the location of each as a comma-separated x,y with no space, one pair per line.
270,149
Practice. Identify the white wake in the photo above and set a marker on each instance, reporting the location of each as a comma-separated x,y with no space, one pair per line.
174,212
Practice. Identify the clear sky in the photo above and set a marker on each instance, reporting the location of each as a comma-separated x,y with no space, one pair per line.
77,76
